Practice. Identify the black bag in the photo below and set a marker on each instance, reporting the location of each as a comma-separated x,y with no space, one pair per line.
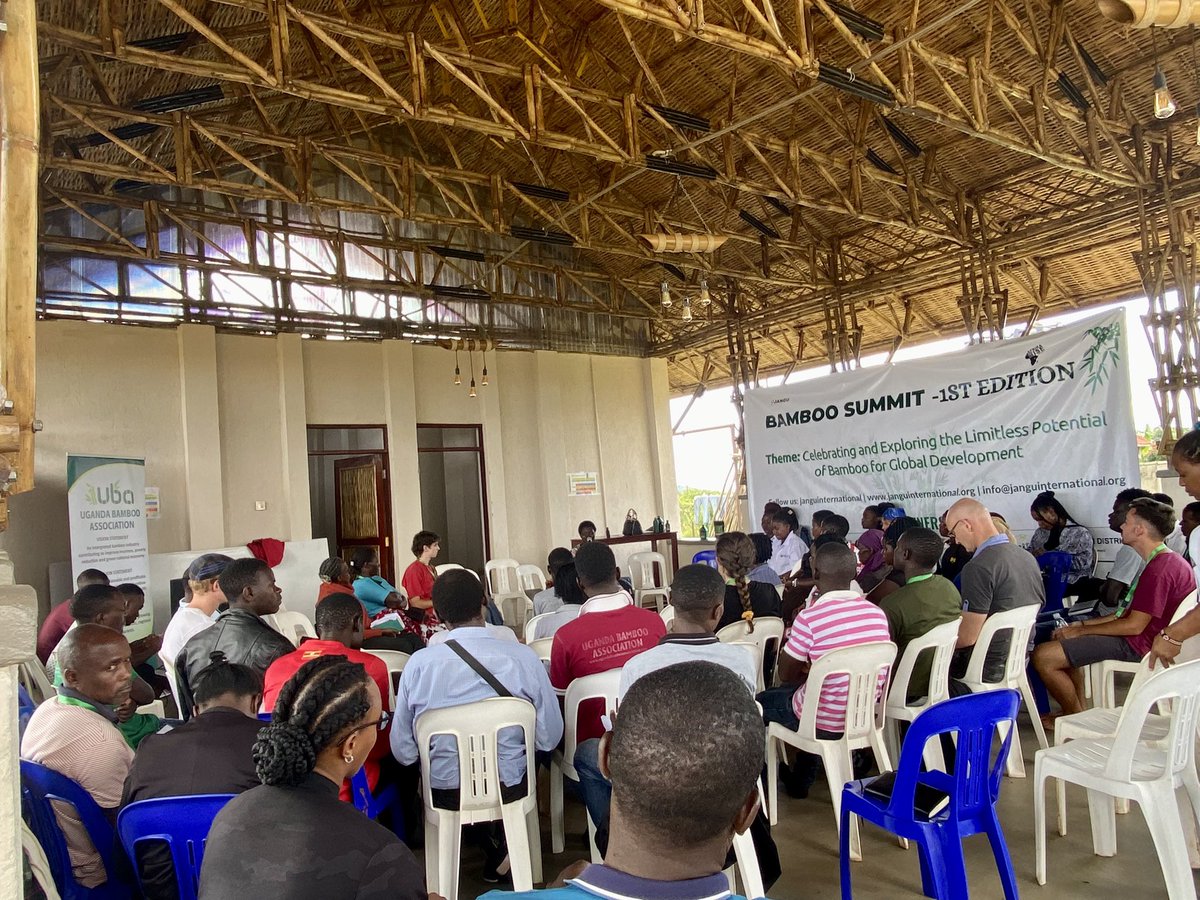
632,525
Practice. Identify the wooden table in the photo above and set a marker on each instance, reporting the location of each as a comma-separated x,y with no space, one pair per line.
652,538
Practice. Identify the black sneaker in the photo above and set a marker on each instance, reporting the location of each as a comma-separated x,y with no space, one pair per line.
496,867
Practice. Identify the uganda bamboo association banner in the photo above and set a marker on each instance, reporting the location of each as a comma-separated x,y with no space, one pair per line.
106,499
1000,422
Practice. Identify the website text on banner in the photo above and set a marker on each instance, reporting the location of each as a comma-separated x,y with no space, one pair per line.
106,500
999,422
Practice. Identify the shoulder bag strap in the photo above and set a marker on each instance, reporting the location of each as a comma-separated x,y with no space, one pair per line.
479,668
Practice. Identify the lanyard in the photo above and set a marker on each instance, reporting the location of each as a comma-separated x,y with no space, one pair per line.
919,578
1128,598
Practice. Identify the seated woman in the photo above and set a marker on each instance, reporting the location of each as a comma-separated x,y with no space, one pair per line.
872,516
326,720
892,578
1057,530
744,599
336,579
418,579
387,609
762,570
787,547
869,548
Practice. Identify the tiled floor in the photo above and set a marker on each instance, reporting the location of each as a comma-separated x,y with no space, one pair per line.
807,841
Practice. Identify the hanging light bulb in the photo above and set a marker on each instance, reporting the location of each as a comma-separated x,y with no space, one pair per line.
471,392
664,293
484,382
705,298
687,310
457,375
1164,104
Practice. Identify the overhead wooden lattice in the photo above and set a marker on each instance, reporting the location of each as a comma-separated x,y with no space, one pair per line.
871,174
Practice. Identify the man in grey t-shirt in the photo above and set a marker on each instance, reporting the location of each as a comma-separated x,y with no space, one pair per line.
999,577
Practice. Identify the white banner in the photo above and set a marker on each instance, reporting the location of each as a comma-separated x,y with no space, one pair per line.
999,422
106,499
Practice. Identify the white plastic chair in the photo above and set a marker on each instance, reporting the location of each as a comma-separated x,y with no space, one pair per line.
445,567
531,578
755,649
153,708
767,633
865,667
31,675
1017,623
668,615
747,869
294,626
476,727
602,686
504,586
1101,677
531,626
172,681
395,660
646,581
1124,766
938,641
542,648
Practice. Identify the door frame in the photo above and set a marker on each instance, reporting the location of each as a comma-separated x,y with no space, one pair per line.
387,550
483,489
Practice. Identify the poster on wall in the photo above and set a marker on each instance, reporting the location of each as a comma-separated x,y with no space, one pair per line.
583,484
1000,422
106,504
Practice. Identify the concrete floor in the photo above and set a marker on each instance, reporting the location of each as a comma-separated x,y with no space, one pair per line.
807,840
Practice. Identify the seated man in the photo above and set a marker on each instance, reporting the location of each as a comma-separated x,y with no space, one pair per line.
200,610
59,619
239,634
145,649
1000,576
924,602
954,557
1100,597
840,617
587,530
548,600
675,810
609,631
212,753
75,734
451,674
1146,610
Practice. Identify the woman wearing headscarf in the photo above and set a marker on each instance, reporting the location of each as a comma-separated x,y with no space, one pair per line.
870,556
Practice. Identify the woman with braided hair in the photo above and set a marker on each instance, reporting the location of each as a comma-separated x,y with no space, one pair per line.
291,838
744,599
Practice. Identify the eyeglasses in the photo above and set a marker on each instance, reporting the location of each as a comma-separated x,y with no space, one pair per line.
954,527
385,719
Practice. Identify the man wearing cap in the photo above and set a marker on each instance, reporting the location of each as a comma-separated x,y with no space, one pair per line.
200,611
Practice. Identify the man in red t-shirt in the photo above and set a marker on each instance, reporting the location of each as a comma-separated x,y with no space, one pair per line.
58,621
340,633
609,632
1145,611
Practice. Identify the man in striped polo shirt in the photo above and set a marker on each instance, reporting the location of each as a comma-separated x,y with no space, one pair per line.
838,618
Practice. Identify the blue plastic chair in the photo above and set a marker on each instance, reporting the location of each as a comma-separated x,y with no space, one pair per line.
973,788
708,557
373,805
1055,566
25,708
40,785
182,823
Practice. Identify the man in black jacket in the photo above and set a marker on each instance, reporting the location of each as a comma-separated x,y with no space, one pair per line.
239,634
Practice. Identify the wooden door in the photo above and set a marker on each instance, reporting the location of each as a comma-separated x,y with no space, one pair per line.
363,511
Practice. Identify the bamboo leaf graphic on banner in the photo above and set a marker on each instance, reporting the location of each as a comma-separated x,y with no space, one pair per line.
1103,355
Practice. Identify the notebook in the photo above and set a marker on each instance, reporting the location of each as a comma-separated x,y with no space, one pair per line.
928,800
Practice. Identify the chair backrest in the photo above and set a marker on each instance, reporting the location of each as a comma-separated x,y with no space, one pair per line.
183,822
940,641
501,575
707,557
1015,623
445,567
294,626
756,650
864,670
1056,567
642,572
668,615
542,647
395,660
476,728
975,782
1186,605
1180,685
172,680
531,578
32,674
25,708
768,634
40,785
601,686
531,625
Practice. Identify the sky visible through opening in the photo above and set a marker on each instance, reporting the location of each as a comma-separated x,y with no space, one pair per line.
703,457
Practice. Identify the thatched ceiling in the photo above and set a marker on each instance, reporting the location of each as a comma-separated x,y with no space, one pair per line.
995,174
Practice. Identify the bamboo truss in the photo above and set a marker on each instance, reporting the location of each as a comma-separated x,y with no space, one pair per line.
530,171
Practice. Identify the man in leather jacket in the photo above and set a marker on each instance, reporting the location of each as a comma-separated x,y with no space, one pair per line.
239,635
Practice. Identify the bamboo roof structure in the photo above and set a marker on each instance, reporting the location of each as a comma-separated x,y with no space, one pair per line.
855,175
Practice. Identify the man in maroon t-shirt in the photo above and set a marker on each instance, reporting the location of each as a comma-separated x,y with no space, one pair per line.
1144,612
59,620
610,630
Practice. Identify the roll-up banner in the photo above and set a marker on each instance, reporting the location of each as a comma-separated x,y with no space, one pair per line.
999,421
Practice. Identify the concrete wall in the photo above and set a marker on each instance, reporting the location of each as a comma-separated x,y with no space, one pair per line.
220,420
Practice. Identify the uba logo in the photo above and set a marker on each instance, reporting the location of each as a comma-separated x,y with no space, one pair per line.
108,495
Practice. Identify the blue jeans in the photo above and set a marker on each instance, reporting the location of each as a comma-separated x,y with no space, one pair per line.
777,707
596,789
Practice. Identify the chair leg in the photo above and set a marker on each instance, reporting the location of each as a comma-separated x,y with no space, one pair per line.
844,821
1160,813
557,836
772,780
534,828
591,832
431,852
1031,708
516,833
1104,823
839,769
1039,819
747,866
1008,877
449,846
1014,766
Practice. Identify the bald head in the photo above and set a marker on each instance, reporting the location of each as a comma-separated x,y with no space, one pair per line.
970,523
834,566
95,662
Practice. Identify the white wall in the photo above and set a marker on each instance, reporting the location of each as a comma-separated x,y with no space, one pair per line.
220,420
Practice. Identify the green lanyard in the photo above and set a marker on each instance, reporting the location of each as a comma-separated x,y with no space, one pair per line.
919,578
1128,598
71,701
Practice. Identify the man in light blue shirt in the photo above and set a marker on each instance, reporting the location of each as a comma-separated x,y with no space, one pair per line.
437,677
675,811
